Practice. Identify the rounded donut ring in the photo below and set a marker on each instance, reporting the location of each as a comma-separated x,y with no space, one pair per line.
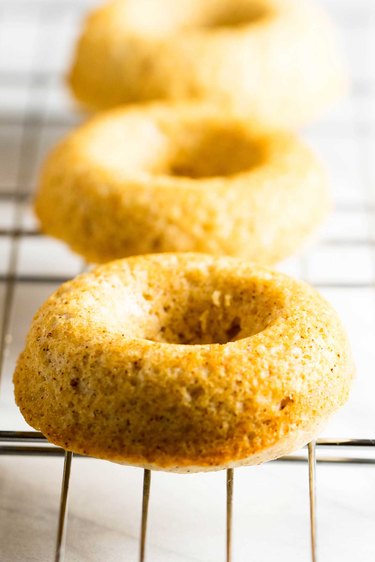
183,362
275,60
180,178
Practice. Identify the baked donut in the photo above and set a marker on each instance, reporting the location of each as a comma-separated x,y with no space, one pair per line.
275,60
180,178
183,362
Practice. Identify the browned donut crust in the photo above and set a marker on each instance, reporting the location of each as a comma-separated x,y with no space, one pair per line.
183,362
180,178
275,60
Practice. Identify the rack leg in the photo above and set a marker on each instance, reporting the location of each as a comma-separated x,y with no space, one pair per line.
145,502
312,495
230,477
61,530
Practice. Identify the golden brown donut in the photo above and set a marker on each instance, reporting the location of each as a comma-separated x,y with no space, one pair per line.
275,60
180,178
183,362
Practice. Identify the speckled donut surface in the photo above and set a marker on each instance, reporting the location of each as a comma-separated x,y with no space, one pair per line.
183,362
275,60
180,178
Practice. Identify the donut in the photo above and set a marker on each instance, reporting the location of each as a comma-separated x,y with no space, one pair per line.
180,178
183,362
276,60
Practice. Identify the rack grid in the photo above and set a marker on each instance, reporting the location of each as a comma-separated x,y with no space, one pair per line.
34,39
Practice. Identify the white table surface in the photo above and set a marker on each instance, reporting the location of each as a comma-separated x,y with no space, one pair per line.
187,513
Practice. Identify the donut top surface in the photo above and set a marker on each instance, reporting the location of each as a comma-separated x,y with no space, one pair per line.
183,362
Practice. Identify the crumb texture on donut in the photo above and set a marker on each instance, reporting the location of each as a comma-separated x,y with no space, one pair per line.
180,178
276,60
183,362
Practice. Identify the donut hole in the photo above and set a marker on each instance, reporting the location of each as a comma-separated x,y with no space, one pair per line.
210,317
193,310
191,144
208,151
235,14
209,327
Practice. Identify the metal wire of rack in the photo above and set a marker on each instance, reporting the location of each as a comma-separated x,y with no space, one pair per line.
39,119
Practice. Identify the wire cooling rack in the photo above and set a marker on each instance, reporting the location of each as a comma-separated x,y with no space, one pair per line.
34,47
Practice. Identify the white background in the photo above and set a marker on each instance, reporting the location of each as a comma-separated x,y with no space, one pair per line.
187,513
